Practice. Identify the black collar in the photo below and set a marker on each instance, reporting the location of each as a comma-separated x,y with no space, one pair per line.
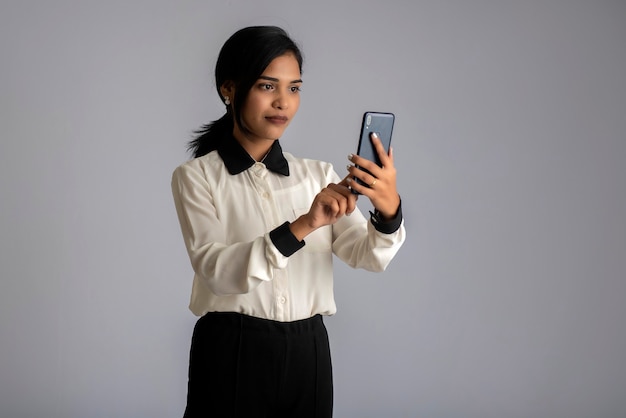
237,159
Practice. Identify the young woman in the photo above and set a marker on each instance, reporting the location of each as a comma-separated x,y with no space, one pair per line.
261,227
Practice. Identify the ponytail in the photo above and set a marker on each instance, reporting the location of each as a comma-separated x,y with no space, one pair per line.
211,135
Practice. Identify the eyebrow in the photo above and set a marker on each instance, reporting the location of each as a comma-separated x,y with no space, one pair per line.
264,77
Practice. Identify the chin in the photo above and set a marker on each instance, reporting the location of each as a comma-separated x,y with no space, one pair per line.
270,132
274,134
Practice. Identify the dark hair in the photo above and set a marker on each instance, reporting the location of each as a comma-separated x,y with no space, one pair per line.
242,60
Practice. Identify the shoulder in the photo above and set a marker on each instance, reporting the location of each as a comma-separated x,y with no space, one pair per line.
202,169
207,162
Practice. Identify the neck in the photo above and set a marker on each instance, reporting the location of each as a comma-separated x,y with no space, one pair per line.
257,148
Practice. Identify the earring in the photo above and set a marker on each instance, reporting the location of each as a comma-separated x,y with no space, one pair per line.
227,101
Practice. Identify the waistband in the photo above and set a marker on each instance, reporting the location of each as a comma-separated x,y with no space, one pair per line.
252,323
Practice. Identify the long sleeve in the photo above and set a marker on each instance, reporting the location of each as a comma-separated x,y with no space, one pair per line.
225,266
361,245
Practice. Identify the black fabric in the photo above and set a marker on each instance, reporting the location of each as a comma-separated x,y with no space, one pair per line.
242,366
237,159
389,226
285,241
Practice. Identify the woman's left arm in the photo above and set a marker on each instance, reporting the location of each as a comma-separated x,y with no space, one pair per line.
372,245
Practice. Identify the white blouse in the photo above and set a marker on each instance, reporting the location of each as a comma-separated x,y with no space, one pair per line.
234,215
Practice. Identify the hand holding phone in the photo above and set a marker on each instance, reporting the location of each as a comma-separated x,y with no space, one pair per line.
379,183
381,124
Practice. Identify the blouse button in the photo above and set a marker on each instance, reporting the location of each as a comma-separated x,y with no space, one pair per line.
259,169
282,300
266,195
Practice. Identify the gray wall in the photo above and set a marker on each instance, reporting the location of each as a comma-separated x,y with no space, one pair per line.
508,299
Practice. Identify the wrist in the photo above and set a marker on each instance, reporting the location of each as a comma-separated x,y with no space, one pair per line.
387,225
301,227
387,214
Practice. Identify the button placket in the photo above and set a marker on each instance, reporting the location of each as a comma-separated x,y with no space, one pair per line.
259,178
261,172
273,218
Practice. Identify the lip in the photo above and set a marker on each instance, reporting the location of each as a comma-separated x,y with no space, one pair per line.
278,119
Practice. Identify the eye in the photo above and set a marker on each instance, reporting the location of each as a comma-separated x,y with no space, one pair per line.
295,89
267,86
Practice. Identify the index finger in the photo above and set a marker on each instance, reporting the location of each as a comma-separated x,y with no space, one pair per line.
344,182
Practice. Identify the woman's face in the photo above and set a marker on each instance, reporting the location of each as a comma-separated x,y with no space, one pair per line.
272,101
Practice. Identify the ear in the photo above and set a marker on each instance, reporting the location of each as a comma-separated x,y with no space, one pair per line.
228,89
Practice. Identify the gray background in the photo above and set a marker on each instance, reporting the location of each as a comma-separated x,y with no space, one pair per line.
508,299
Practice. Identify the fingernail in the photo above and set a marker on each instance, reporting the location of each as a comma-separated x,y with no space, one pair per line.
350,156
348,167
374,135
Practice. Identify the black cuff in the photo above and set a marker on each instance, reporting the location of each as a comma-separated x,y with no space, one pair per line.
285,241
390,226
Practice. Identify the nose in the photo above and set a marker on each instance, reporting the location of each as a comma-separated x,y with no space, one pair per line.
281,101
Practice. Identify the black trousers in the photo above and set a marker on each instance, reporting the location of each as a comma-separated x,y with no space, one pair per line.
242,366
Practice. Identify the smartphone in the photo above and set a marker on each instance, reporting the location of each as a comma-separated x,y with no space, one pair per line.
380,123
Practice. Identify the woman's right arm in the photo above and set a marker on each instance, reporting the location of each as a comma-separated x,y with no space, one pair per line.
226,268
